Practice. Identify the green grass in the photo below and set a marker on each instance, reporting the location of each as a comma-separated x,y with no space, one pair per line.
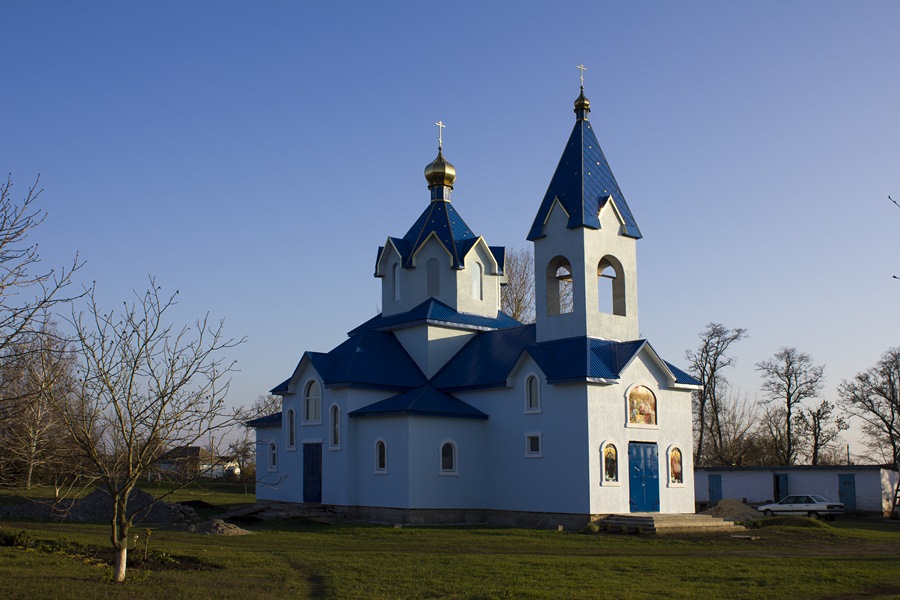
296,558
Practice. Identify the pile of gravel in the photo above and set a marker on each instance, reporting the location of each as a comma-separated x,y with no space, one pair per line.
733,510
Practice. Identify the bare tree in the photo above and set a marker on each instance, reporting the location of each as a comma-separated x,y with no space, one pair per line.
36,373
265,404
820,427
873,396
711,406
27,292
147,389
517,298
789,378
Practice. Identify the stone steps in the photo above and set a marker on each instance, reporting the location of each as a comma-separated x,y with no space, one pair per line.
660,523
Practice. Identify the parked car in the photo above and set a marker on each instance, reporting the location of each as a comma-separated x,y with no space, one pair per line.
812,506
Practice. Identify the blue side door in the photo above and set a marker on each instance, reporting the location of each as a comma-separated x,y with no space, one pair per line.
643,477
780,485
312,473
715,489
847,491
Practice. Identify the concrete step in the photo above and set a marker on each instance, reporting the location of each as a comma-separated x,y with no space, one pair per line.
660,523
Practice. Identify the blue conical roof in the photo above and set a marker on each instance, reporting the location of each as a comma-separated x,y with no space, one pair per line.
583,183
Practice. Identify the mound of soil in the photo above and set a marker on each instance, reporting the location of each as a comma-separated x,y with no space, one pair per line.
733,510
218,527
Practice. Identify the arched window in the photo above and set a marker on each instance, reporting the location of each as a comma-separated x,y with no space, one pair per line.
676,473
641,406
478,281
273,456
433,272
611,286
448,458
380,457
292,429
312,403
335,438
610,463
395,281
532,394
559,287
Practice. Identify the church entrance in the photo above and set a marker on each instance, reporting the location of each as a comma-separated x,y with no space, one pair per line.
643,477
312,473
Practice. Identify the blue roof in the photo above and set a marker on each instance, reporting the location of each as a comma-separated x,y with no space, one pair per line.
488,359
424,401
583,182
373,359
435,311
441,219
273,420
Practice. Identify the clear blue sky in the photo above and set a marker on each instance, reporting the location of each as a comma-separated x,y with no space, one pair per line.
254,155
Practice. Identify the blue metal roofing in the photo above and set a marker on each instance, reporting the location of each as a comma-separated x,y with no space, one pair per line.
583,182
273,420
368,358
442,220
488,359
681,376
424,401
435,311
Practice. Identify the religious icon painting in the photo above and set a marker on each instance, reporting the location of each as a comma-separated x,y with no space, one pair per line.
641,406
675,471
610,463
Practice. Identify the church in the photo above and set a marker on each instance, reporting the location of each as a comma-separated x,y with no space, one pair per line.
444,409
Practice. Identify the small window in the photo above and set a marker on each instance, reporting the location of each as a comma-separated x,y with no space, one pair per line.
478,282
532,394
273,457
433,272
448,458
533,445
395,281
380,457
312,403
335,438
610,464
292,430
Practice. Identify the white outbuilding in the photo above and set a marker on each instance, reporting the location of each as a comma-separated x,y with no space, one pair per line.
442,408
861,488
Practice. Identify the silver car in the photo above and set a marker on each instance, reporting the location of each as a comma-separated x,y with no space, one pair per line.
810,505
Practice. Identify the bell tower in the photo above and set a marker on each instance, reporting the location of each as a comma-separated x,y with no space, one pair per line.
584,235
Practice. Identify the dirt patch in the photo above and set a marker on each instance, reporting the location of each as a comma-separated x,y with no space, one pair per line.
733,510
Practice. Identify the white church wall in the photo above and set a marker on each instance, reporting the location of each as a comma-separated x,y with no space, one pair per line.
430,346
551,482
390,487
267,487
608,421
430,487
474,299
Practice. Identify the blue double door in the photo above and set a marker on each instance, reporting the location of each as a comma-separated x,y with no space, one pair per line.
312,473
643,477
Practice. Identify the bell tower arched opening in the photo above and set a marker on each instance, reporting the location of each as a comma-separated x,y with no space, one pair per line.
559,286
611,286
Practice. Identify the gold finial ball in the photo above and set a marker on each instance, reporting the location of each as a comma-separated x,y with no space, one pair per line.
440,172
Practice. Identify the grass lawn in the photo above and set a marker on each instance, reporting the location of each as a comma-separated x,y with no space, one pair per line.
295,558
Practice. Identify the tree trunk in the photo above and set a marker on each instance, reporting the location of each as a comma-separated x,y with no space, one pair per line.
121,562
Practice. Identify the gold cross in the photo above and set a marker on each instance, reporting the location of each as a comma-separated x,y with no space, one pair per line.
582,68
441,126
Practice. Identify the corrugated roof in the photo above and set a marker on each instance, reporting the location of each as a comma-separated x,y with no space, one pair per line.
273,420
442,220
487,360
583,182
681,376
424,401
435,311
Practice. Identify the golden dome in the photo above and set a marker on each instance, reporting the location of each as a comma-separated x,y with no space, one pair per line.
582,103
440,172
